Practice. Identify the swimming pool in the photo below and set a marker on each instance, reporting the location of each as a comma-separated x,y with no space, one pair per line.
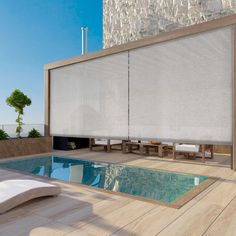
157,185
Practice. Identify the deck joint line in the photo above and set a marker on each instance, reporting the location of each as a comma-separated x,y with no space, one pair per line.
184,212
120,229
218,215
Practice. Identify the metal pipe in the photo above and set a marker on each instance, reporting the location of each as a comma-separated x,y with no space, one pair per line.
84,31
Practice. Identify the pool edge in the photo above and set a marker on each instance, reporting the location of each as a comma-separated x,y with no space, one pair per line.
177,204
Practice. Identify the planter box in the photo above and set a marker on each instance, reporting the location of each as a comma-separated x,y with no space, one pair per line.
25,146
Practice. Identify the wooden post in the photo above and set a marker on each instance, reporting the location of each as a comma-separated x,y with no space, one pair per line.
108,145
141,149
174,153
212,151
91,143
124,146
129,147
203,153
233,162
47,102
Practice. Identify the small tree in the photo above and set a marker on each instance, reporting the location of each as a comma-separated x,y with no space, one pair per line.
19,101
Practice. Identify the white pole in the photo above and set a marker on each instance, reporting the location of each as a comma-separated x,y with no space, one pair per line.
82,46
86,39
84,31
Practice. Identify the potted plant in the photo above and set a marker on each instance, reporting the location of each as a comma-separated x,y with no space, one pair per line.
19,101
34,143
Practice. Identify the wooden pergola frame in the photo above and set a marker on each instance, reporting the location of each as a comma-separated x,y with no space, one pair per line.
164,37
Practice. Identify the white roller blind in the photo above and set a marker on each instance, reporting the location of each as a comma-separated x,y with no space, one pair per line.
91,98
182,89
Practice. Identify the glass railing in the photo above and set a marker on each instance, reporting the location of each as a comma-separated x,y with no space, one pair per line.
10,129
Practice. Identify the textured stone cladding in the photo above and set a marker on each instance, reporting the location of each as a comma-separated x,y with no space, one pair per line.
128,20
25,146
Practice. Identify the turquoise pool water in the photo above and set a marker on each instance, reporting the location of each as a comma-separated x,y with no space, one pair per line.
152,184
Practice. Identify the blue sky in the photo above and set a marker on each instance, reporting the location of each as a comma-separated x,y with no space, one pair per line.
34,33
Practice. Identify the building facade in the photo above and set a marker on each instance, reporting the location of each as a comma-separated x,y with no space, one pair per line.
128,20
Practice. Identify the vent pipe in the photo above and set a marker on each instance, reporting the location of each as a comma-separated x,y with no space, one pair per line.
84,31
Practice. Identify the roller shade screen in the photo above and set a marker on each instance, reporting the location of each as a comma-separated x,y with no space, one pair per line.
91,98
182,89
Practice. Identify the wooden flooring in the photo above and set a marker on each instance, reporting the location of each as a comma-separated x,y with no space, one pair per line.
84,211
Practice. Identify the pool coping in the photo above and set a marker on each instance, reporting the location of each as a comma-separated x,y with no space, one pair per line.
177,204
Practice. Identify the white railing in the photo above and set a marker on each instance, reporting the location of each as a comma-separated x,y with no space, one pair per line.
10,129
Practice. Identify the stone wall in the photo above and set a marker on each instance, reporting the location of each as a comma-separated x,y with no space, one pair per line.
128,20
25,146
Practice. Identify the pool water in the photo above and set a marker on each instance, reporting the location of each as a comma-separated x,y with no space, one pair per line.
148,183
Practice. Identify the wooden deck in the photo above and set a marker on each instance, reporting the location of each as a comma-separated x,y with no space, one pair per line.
84,211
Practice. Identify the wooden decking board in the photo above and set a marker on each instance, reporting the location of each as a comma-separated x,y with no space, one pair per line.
84,211
66,206
60,208
115,220
145,225
83,216
23,225
162,217
206,211
52,229
225,224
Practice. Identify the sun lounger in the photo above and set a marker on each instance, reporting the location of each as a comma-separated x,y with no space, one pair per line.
144,147
106,143
132,145
162,148
17,191
192,149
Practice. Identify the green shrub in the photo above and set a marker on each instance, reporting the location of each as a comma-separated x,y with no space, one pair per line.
3,135
34,133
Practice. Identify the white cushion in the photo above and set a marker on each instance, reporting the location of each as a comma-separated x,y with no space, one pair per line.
145,141
105,142
187,147
115,142
167,143
100,140
134,141
12,188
